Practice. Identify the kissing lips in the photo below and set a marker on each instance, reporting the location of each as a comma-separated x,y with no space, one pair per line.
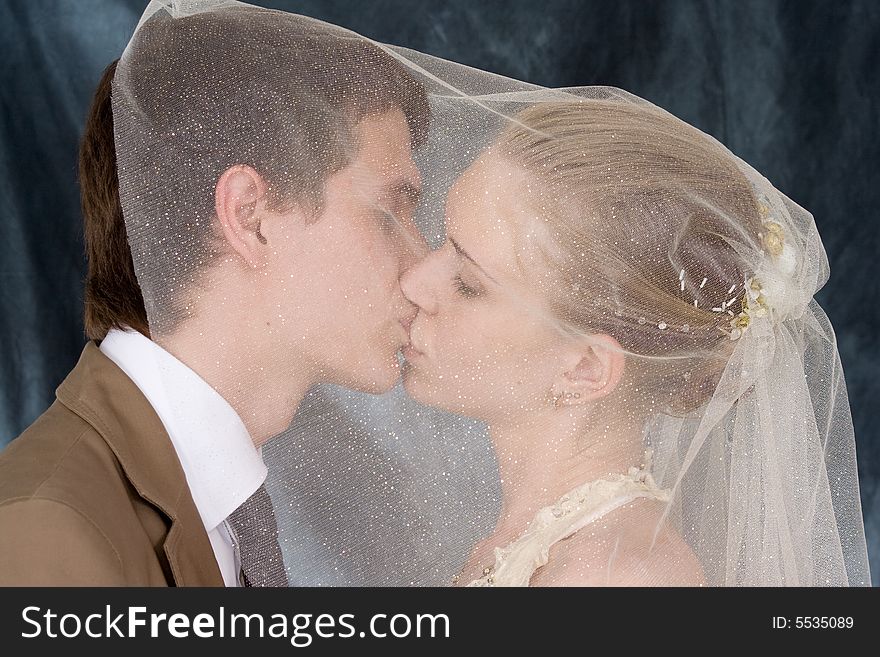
411,353
406,323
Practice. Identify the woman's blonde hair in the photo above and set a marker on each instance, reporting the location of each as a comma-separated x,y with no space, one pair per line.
647,219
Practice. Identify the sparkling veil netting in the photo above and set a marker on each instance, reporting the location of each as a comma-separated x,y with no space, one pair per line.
611,227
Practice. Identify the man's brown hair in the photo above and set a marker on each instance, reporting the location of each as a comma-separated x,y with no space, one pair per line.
112,294
306,87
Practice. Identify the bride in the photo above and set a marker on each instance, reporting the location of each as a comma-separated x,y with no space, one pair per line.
628,307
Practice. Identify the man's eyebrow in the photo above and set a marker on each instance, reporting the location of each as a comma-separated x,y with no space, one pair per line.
408,191
465,254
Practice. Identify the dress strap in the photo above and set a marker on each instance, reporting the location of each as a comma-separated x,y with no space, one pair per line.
516,563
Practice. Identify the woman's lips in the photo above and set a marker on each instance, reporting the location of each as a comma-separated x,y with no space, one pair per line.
411,350
411,353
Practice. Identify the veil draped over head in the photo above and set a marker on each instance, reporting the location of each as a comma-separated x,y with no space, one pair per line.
618,289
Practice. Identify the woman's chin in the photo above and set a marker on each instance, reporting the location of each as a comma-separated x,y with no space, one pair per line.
411,381
430,391
421,386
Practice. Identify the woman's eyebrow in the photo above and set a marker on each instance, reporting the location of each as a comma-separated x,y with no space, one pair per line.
465,254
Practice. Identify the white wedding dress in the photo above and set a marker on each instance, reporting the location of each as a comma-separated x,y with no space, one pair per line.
516,563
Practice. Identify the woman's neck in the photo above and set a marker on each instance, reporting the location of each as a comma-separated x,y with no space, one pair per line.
542,459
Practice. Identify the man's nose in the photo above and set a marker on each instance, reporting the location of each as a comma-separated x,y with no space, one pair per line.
415,249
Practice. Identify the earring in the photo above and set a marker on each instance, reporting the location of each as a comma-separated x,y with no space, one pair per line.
558,399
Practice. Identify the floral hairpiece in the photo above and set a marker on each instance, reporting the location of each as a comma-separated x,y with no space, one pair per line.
761,290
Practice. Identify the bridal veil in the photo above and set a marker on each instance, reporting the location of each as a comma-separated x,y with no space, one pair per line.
630,224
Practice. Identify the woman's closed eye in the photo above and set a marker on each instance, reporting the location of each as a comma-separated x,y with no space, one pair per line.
465,290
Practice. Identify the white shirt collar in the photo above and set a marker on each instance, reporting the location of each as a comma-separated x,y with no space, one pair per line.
222,466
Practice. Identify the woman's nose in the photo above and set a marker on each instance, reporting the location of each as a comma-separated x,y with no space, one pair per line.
419,284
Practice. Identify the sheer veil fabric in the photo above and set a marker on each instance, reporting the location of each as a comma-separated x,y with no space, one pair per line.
587,285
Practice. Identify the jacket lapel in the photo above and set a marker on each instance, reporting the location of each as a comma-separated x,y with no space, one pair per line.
103,395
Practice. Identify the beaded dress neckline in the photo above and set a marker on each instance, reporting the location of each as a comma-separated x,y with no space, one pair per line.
516,563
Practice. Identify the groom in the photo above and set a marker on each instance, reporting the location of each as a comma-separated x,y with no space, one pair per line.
249,281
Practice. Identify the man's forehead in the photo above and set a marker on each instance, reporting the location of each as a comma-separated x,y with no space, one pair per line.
384,145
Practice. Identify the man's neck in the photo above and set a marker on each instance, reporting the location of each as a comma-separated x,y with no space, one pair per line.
264,398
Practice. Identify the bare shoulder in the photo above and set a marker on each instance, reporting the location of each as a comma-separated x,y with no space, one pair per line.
622,552
671,563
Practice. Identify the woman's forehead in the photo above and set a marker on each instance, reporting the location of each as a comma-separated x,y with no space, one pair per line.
493,213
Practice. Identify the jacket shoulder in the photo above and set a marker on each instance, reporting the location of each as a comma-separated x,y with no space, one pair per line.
61,485
60,455
46,542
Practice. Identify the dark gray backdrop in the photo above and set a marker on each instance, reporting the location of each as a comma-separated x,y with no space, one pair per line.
791,87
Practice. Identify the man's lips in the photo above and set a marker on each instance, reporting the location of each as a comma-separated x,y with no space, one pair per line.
406,323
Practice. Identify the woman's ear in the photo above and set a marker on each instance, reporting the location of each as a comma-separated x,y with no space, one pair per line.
593,369
238,200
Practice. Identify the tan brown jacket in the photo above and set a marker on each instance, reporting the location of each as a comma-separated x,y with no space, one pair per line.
92,493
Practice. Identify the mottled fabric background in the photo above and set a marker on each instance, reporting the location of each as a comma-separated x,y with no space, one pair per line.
791,87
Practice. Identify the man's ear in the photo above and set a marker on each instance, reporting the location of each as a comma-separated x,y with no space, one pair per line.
239,198
593,368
